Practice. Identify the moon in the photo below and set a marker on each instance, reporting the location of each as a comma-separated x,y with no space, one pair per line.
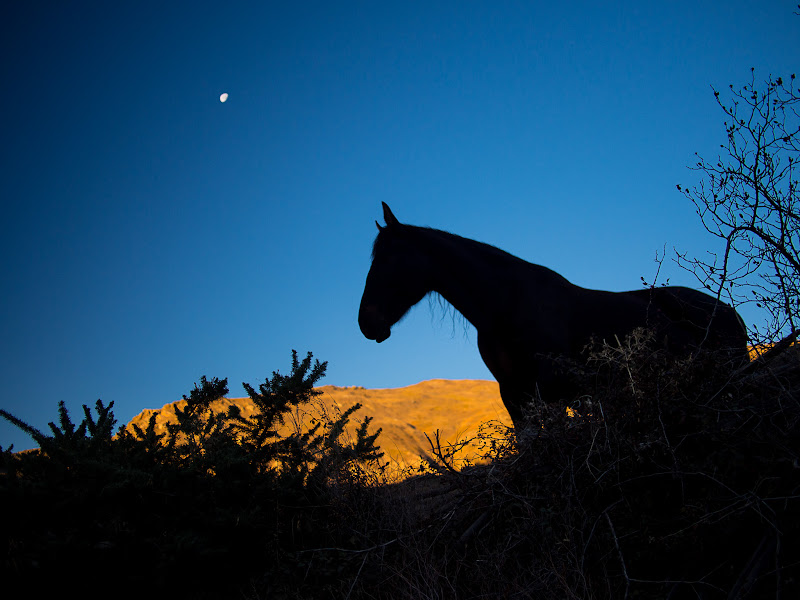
223,96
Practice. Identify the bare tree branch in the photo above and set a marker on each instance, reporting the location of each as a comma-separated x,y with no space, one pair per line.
748,199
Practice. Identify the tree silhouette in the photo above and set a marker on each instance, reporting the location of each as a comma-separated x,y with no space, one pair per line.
747,198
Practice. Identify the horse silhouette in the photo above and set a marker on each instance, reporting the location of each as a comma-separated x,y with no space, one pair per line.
526,314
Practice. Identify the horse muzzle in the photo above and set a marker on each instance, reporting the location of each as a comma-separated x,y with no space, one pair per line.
373,325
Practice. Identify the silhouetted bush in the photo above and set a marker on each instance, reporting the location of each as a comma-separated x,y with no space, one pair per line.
216,502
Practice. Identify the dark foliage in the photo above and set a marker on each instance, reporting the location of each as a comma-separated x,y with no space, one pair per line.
673,478
206,509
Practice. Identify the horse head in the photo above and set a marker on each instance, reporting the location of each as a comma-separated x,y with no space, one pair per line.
396,280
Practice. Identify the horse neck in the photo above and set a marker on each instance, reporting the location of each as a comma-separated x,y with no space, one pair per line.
477,279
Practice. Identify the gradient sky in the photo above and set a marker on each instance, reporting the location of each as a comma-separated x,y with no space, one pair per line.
152,234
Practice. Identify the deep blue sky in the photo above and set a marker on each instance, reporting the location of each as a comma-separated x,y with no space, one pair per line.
152,234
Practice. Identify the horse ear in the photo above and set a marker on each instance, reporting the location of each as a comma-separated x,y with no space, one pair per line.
379,226
391,220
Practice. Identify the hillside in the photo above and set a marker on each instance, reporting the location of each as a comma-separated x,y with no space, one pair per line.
455,408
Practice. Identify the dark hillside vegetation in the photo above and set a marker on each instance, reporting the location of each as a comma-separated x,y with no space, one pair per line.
206,510
673,478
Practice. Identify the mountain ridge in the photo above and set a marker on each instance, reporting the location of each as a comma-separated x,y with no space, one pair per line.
454,407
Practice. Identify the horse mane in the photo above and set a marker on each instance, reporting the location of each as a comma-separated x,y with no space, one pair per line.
432,236
438,237
437,303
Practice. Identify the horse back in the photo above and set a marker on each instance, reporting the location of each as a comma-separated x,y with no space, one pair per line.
696,319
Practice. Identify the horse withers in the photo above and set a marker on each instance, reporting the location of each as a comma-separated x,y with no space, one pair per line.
525,314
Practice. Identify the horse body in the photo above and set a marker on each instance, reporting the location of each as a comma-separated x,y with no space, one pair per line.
525,314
